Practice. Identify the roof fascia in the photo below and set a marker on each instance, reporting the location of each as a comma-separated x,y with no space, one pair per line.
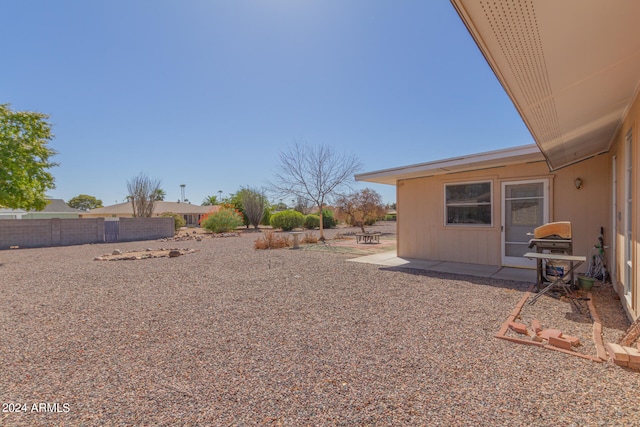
489,159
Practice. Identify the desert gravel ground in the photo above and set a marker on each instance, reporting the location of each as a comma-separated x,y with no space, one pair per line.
233,336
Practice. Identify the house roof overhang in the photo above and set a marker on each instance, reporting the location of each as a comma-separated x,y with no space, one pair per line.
491,159
571,67
159,207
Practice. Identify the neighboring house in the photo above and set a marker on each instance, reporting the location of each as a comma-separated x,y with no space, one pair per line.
56,208
572,70
6,213
191,213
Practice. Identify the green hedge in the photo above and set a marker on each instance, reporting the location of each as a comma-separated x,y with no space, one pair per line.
311,221
224,220
287,220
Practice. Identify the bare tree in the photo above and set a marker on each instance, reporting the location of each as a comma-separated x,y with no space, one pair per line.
302,205
254,202
143,193
315,173
360,208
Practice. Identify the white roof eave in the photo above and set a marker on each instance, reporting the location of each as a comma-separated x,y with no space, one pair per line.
490,159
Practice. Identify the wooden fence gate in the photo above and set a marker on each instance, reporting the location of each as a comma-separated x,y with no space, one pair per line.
111,231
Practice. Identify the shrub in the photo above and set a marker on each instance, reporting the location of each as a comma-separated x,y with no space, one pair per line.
287,220
225,219
311,221
178,220
254,203
390,217
271,240
266,217
328,221
309,238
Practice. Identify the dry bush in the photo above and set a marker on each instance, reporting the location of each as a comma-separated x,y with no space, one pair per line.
309,238
340,236
271,240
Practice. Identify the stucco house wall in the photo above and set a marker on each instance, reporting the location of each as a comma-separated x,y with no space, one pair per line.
587,103
422,232
630,295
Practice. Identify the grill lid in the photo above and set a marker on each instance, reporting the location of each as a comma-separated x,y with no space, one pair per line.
559,230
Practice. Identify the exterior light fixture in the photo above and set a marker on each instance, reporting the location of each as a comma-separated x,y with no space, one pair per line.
578,183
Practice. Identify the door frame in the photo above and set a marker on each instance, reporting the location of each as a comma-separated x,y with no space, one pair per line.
613,239
509,261
627,273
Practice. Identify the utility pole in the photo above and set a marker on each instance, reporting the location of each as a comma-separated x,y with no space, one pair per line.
182,191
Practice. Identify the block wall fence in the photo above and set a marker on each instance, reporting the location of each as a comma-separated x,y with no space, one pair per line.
37,233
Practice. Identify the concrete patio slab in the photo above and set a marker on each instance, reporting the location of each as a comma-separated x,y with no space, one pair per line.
468,269
391,259
516,274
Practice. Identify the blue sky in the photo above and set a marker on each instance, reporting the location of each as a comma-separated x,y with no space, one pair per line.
207,93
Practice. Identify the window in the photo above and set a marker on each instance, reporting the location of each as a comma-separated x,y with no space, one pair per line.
468,203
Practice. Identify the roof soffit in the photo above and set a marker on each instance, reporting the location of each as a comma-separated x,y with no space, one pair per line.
571,67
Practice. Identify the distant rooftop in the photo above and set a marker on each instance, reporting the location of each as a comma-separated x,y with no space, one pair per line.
58,206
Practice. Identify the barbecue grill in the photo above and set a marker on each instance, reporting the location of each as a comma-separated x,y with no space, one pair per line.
554,238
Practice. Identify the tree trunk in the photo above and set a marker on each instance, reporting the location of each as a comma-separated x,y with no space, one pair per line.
322,239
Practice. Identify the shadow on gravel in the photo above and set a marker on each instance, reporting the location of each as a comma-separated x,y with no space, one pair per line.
476,280
609,307
606,300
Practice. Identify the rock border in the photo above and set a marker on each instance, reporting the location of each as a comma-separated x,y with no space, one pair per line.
148,253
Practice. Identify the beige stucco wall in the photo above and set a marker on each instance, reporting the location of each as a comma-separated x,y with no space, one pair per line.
632,302
422,233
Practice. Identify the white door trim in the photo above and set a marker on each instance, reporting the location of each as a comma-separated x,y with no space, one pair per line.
627,272
613,238
510,261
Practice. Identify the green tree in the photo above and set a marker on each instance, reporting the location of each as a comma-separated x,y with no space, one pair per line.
251,203
85,202
210,201
235,200
160,195
24,159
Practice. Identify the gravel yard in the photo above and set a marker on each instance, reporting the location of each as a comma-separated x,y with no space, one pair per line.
233,336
